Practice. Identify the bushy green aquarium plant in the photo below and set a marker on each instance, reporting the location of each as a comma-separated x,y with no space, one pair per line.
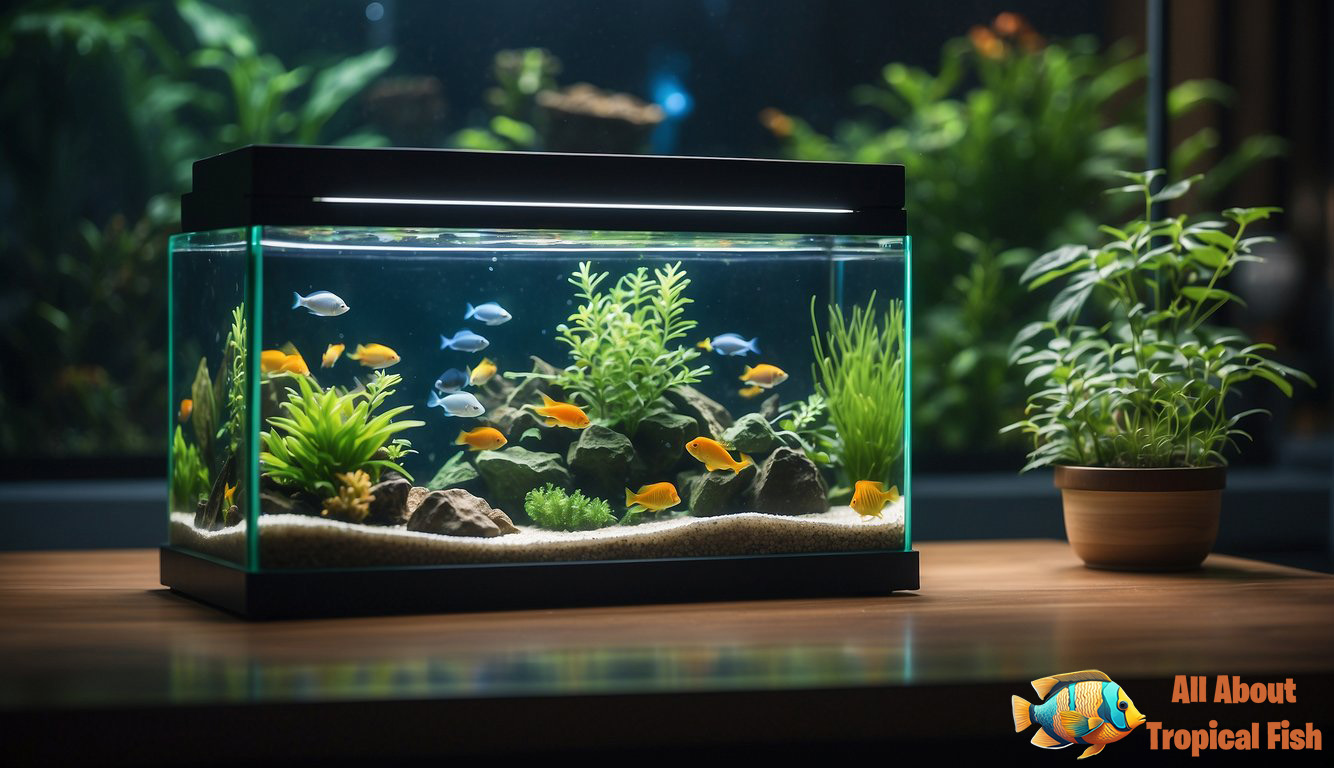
624,343
1130,374
859,373
559,510
329,432
189,475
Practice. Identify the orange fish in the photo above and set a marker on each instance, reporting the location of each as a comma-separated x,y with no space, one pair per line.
374,355
228,491
187,408
749,392
565,415
294,363
481,439
764,375
331,355
870,497
714,456
655,497
271,360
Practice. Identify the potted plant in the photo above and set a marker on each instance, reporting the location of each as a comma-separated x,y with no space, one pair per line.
1131,408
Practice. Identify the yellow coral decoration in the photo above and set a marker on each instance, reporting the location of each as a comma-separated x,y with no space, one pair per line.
353,502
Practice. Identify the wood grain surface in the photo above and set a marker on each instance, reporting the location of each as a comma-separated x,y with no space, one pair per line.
92,635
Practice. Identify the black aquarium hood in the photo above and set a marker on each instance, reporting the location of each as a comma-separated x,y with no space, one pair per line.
347,187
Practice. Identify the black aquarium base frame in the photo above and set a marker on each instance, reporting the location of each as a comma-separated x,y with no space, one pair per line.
513,586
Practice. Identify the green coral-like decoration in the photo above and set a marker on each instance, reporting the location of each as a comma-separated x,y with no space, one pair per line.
189,474
329,432
551,507
859,371
623,344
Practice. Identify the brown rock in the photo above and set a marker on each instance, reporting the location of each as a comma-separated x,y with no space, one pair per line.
454,512
389,505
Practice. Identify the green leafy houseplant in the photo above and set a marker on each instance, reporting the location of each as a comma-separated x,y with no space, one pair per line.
555,509
859,371
623,343
1132,409
328,432
1149,387
1008,144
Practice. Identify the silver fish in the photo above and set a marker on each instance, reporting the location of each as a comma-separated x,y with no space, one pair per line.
730,344
490,313
464,341
457,404
320,303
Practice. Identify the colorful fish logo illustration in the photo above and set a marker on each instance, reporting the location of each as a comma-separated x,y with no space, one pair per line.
1083,707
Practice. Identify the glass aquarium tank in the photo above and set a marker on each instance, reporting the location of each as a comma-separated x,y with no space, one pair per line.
418,380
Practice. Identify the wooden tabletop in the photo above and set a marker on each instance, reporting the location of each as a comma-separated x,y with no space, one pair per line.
90,641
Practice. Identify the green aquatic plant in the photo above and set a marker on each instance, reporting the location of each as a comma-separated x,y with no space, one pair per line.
555,509
204,414
1149,387
234,355
623,344
189,474
329,432
807,424
859,371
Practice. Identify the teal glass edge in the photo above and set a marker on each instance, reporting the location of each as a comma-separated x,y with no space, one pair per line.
254,290
907,393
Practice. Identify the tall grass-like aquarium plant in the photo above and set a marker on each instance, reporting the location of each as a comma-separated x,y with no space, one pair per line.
1134,381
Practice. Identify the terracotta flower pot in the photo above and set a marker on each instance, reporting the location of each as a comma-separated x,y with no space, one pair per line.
1141,519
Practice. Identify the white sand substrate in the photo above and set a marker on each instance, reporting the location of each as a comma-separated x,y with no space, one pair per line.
299,541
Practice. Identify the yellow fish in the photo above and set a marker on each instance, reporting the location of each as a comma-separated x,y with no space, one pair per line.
483,372
764,375
271,360
481,439
1084,707
714,456
331,355
561,414
655,497
374,355
749,392
870,497
227,492
187,408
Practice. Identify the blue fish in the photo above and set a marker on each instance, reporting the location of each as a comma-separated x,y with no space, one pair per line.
453,380
464,341
730,344
457,404
490,313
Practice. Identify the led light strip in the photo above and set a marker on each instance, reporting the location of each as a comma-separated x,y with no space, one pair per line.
549,204
410,246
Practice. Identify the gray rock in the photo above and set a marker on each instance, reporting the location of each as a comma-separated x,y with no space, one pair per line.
661,439
752,434
789,484
718,493
711,417
514,471
769,408
274,502
454,512
415,497
456,473
390,503
602,459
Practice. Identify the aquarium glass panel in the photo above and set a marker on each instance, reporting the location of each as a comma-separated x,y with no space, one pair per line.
444,396
210,448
